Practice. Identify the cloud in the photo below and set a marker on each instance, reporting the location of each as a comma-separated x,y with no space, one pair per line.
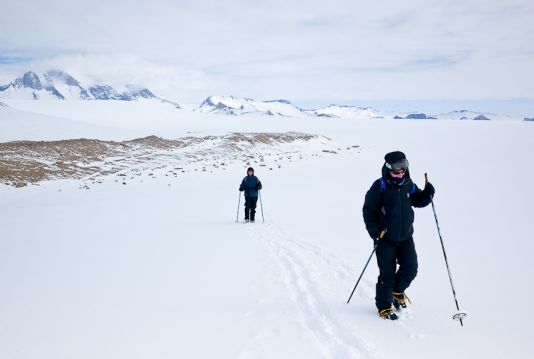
13,59
300,50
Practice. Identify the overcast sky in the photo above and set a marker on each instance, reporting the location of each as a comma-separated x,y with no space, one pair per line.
310,52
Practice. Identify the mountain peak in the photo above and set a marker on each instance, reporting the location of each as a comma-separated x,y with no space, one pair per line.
346,112
59,85
31,80
61,76
210,101
280,101
141,93
232,105
419,116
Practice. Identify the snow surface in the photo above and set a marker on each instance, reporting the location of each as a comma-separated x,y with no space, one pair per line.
158,268
18,124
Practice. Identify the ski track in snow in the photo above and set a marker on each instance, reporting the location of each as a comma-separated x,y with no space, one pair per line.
334,340
366,288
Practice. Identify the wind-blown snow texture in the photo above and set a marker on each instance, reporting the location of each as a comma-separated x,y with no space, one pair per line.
158,268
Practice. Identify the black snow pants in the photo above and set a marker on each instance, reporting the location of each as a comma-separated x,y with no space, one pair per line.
390,280
250,207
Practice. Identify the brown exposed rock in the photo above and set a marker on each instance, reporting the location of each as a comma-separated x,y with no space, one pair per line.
23,162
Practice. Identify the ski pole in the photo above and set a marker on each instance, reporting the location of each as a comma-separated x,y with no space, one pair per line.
261,206
238,203
459,315
366,264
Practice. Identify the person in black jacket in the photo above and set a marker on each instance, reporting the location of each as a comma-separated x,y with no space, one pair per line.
389,218
250,185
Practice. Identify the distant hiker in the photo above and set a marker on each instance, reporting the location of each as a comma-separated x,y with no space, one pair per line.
251,185
389,217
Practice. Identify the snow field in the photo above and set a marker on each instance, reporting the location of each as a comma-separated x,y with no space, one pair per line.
152,270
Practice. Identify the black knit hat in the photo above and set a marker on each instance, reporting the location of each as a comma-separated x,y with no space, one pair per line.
396,161
394,157
250,169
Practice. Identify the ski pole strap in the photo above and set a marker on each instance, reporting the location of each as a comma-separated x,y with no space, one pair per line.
382,234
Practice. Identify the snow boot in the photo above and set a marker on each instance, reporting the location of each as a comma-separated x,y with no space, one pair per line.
387,314
399,300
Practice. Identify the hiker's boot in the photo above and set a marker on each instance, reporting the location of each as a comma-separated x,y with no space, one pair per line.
399,300
387,313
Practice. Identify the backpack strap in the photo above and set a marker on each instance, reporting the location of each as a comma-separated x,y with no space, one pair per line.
382,184
412,191
382,190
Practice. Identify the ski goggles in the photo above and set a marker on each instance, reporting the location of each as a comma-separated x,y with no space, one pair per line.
398,166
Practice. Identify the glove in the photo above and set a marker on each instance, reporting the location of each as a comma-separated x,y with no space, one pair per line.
429,189
380,236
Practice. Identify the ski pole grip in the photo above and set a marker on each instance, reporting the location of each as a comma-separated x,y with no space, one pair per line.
426,178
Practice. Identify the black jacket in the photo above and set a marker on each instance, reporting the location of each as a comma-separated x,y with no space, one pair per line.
390,207
251,185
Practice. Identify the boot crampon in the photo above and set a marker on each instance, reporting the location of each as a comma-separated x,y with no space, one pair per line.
387,314
399,300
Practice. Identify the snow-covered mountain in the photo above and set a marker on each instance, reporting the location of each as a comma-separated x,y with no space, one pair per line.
234,106
472,115
415,116
29,87
59,85
456,115
230,105
346,112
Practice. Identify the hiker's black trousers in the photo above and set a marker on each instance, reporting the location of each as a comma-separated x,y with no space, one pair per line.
388,255
250,207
